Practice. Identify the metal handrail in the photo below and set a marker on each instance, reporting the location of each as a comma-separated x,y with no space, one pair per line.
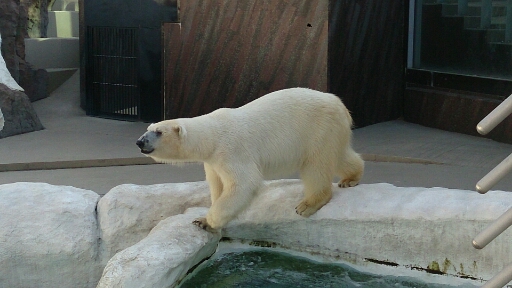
495,117
494,230
501,279
495,175
486,183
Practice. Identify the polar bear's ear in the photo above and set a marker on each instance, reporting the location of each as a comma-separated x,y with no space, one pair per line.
180,130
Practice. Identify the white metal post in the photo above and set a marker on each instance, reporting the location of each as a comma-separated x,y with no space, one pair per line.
501,279
494,230
505,220
495,117
495,175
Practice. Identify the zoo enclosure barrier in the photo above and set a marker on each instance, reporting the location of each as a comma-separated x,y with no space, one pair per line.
486,183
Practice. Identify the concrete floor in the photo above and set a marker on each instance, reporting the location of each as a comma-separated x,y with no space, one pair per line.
402,153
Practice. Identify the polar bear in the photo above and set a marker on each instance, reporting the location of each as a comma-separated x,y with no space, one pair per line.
283,132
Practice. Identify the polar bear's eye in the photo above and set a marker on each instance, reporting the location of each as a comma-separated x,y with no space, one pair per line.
158,133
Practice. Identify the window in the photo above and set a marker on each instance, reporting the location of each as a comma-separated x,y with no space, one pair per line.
463,37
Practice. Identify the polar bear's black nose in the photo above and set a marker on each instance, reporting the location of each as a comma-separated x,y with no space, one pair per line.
140,142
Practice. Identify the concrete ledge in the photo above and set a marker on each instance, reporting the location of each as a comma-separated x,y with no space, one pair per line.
50,165
44,53
397,159
76,164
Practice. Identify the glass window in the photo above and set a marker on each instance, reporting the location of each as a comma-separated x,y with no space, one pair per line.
468,37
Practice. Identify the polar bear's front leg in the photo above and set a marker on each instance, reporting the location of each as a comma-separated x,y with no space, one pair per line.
203,224
239,190
214,182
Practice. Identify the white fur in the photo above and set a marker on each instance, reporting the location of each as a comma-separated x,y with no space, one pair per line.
280,133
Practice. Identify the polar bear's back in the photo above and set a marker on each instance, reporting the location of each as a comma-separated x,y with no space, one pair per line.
292,98
282,129
296,107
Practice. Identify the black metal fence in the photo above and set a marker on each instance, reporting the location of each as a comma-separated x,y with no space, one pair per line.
112,76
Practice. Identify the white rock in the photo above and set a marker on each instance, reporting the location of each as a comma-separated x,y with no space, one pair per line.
48,236
5,76
128,212
161,259
2,120
413,227
424,228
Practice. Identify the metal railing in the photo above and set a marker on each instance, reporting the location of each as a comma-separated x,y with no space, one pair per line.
486,183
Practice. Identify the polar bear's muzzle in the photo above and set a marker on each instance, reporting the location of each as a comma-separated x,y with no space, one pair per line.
146,142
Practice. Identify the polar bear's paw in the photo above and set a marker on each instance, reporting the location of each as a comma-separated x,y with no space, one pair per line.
203,224
305,210
345,183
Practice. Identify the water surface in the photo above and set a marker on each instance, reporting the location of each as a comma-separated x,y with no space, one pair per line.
263,268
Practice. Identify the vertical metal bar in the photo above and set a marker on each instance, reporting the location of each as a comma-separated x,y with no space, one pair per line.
486,14
128,64
462,7
111,70
417,35
508,22
410,39
501,279
137,71
133,62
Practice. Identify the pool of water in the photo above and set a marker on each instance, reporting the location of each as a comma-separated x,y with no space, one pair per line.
264,268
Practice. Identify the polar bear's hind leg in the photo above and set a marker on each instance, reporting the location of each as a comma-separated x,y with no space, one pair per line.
350,169
317,190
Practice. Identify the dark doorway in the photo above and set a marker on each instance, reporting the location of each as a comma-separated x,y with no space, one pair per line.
122,57
112,73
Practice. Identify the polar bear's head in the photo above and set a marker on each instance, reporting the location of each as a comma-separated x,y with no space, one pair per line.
164,141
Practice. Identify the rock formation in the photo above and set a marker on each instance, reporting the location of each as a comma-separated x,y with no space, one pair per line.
20,116
49,236
128,212
61,236
14,22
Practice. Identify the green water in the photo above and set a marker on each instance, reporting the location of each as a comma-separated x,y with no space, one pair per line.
272,269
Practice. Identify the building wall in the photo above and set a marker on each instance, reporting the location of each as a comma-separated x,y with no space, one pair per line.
367,57
449,102
226,53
